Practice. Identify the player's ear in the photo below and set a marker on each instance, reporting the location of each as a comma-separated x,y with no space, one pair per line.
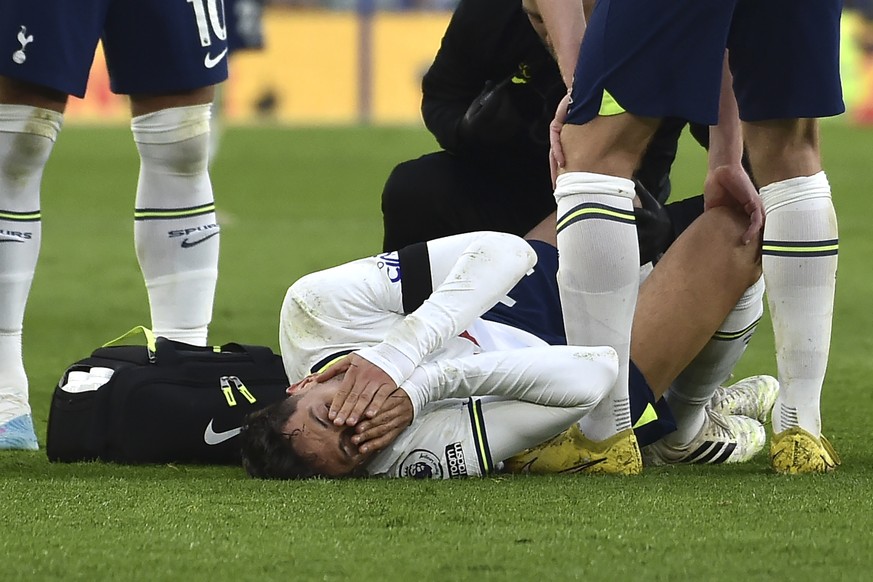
296,387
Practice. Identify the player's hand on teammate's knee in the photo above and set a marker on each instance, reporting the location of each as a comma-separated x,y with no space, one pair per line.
376,433
731,186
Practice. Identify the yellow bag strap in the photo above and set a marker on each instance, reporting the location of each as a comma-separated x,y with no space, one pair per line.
149,335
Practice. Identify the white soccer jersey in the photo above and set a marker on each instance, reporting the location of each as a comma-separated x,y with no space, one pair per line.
359,306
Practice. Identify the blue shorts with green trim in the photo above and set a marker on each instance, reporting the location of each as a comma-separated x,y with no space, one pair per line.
663,58
537,310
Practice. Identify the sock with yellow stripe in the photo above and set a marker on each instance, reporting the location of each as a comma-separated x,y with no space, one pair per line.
694,387
800,267
598,279
175,231
27,136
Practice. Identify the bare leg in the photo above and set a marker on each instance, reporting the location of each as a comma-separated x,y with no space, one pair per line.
688,295
683,303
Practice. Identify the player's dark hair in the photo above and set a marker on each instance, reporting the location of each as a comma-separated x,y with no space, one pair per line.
266,449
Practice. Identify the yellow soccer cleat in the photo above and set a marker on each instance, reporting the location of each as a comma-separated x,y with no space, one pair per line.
796,452
572,452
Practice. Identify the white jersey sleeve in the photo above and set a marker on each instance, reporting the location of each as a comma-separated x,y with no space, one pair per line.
359,306
530,395
470,274
557,384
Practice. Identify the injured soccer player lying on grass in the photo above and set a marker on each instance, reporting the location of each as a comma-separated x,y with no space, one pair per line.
445,360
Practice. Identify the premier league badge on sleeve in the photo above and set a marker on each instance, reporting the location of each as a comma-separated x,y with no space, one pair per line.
421,464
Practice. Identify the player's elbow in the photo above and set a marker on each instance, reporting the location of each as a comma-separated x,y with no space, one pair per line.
511,248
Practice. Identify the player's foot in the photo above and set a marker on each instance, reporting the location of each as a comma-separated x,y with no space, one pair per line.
572,452
794,451
18,434
723,439
753,397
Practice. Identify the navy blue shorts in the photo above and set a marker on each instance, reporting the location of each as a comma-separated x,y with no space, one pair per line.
245,24
154,47
663,58
537,310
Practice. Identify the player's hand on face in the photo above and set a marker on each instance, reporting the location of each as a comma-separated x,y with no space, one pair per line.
376,433
556,152
731,186
362,392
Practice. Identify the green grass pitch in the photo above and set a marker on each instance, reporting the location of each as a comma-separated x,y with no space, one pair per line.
295,200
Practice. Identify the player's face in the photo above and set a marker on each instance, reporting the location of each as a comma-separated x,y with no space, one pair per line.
325,447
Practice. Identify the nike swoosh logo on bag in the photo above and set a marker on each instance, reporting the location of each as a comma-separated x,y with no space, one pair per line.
210,437
187,245
209,61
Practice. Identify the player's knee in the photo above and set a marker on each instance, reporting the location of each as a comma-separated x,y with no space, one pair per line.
36,130
726,228
400,194
611,145
594,366
184,129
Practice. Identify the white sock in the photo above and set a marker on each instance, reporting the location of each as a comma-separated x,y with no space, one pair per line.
800,266
176,232
27,135
693,388
598,278
216,123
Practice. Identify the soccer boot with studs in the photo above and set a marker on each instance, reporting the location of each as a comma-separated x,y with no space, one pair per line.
18,434
795,452
753,397
722,439
572,452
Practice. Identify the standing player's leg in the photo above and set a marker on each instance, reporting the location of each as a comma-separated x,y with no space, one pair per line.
49,46
176,233
800,232
598,274
175,228
30,120
800,267
634,67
